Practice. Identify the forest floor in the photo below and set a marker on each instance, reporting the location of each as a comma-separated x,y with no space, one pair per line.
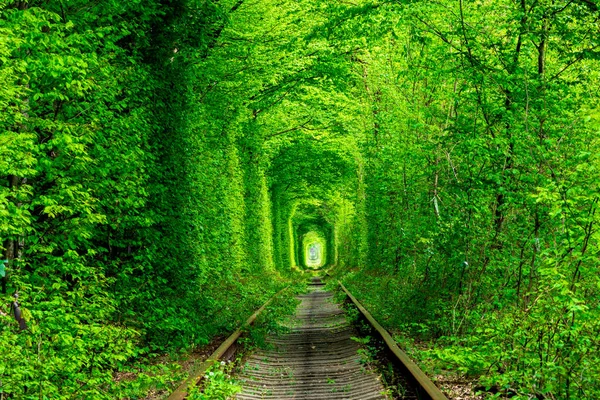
455,386
158,372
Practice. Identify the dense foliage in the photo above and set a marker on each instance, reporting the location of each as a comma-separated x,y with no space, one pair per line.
482,188
125,225
165,164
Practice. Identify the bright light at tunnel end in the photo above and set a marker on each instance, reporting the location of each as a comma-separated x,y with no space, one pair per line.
314,250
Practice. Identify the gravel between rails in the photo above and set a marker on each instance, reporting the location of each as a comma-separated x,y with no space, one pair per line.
315,359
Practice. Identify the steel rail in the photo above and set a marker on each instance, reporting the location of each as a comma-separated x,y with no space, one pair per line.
196,376
427,389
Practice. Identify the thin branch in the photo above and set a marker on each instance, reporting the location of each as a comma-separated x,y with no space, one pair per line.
277,100
290,129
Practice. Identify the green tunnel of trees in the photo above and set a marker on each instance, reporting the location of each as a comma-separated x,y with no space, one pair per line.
161,162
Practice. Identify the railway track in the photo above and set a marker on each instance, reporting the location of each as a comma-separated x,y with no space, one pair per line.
318,357
315,359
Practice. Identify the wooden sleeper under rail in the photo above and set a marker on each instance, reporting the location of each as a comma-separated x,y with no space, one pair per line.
196,376
426,388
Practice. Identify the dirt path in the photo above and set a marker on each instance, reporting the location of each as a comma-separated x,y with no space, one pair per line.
316,359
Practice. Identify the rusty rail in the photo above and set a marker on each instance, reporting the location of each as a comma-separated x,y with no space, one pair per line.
426,388
196,376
